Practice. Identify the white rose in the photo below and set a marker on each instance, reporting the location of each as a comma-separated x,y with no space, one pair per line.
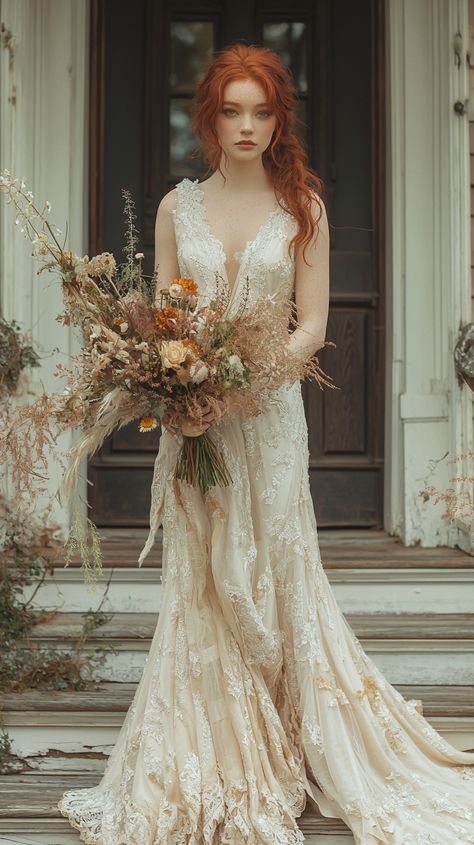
198,372
176,291
172,352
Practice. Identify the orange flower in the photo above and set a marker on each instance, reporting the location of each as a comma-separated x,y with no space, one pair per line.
191,344
164,317
189,285
169,313
148,424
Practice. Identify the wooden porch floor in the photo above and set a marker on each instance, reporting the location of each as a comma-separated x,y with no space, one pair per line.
340,549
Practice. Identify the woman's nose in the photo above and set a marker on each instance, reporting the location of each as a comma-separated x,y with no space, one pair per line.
246,125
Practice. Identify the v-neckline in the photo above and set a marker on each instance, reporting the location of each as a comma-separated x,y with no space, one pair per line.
223,256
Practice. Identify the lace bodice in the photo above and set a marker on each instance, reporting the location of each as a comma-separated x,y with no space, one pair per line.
265,261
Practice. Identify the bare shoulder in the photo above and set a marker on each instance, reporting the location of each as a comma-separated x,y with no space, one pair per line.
318,209
166,261
168,203
164,222
320,240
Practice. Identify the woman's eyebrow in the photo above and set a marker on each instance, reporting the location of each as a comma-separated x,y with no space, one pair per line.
232,103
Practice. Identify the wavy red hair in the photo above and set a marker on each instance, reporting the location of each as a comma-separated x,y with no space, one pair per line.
285,159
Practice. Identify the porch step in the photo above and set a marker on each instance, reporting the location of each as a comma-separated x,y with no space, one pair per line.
376,626
28,813
408,648
358,590
438,701
351,548
75,731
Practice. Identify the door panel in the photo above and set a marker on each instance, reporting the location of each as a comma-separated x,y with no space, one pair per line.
144,67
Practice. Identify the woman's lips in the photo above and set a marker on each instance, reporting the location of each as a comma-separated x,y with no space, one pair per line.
245,144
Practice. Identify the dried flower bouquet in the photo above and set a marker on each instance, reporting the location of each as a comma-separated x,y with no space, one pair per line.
145,361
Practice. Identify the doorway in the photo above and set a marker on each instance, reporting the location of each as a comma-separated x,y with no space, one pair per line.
145,61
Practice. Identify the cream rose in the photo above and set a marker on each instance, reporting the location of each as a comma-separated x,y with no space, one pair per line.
176,291
172,353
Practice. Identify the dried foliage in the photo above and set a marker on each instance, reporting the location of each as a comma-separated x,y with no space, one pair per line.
16,353
7,760
458,500
84,539
29,549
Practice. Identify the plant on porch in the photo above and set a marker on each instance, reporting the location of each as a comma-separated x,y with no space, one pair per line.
29,548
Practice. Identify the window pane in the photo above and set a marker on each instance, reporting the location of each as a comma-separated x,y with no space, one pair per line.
192,45
182,140
289,41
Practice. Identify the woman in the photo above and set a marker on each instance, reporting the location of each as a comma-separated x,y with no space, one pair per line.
256,693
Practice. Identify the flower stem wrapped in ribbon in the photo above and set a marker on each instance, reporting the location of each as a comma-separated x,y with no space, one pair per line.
201,464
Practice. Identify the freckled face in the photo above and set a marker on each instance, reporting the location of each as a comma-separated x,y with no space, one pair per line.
245,124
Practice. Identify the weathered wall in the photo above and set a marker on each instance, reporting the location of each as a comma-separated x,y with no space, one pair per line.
428,267
43,139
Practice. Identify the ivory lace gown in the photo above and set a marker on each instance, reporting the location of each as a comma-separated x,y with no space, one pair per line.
256,692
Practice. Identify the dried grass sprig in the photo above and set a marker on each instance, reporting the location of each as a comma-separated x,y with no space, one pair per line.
115,410
458,500
84,539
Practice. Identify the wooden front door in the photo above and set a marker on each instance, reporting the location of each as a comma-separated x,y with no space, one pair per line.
145,61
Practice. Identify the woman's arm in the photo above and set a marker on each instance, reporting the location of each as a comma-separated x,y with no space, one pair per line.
167,268
312,290
166,260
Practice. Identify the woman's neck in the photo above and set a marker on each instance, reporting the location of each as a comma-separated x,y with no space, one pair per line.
242,176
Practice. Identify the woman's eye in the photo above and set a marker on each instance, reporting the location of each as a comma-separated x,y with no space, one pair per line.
264,114
229,112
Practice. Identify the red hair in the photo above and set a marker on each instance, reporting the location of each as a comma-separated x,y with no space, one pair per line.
285,159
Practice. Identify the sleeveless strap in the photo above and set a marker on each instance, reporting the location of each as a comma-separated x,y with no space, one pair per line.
188,213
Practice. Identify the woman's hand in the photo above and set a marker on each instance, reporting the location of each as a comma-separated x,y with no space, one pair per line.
189,427
193,428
